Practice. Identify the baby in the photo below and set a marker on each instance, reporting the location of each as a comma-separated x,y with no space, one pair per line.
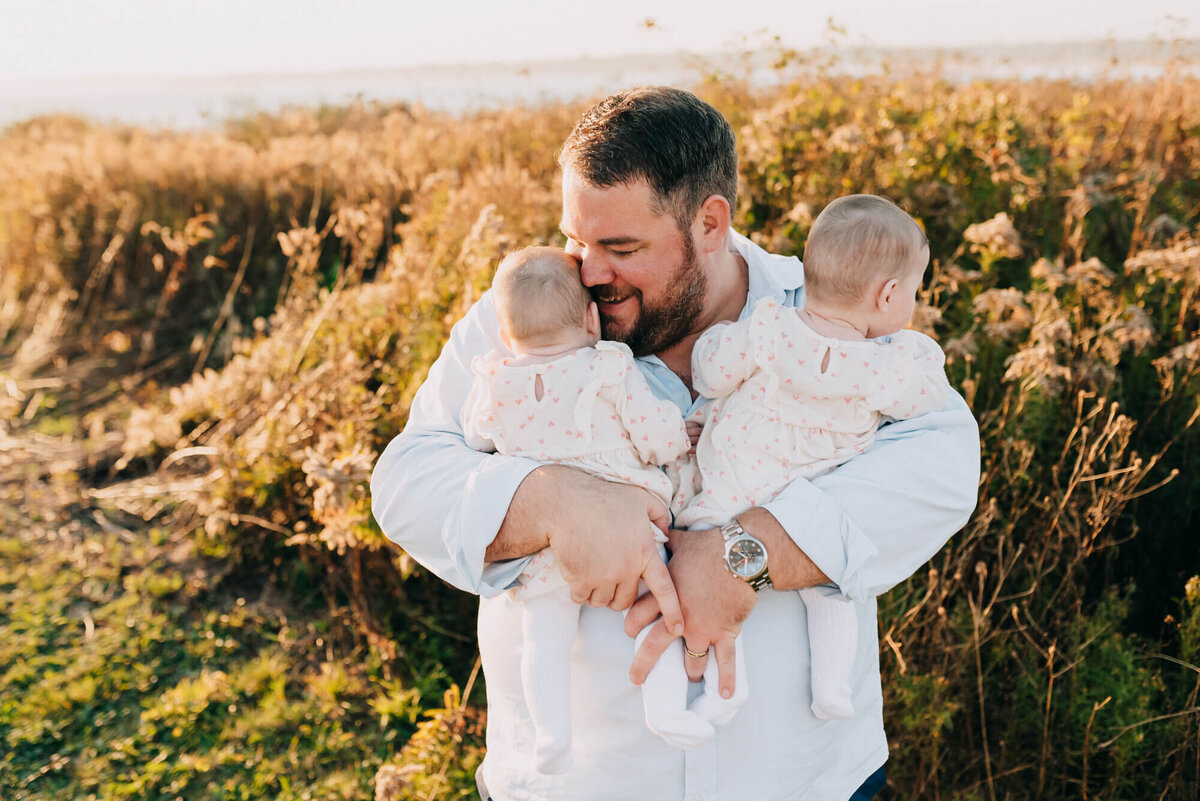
566,397
799,391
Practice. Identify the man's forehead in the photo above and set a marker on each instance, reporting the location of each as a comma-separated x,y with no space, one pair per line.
608,215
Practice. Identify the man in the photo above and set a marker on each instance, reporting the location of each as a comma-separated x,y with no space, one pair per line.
649,183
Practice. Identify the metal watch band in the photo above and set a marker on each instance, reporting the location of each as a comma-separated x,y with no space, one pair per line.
734,529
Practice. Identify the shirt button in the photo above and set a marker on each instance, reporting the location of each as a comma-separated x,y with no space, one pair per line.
698,798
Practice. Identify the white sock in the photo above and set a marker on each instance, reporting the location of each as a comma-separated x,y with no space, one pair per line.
832,641
664,696
710,705
549,626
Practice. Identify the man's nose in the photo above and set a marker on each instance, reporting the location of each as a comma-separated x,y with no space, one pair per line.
593,268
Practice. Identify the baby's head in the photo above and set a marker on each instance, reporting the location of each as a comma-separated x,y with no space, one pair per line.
865,258
541,303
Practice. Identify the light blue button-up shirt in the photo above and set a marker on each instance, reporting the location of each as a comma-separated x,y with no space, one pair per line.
868,525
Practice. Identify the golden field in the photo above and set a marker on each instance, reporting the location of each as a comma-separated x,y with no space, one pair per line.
206,339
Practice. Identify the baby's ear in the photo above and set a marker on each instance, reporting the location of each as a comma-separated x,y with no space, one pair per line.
505,337
886,294
593,319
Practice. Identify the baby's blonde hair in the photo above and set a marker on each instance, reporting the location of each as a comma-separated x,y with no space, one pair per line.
538,293
855,241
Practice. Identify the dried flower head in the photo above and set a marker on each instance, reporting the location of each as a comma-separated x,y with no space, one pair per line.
338,482
1131,330
1037,366
801,214
996,237
1049,273
925,318
1007,315
1177,263
392,782
1044,361
1185,356
846,138
148,429
1090,273
964,348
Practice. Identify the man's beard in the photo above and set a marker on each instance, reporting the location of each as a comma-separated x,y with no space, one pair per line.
658,327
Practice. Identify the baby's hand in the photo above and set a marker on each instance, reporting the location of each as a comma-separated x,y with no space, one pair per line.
693,431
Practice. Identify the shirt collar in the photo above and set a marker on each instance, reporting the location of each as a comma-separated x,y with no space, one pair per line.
770,275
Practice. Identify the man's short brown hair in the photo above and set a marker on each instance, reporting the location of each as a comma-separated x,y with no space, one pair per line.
854,241
537,293
680,145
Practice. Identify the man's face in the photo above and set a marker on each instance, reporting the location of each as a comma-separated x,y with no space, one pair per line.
641,269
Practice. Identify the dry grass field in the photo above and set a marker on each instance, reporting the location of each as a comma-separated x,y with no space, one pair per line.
206,339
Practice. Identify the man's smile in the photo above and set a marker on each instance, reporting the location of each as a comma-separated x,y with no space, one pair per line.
611,302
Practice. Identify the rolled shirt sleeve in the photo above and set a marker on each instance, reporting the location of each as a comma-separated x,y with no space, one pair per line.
435,497
873,521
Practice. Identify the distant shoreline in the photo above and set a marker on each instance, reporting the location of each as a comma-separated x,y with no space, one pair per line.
207,101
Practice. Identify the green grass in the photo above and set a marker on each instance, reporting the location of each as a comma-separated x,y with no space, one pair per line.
132,670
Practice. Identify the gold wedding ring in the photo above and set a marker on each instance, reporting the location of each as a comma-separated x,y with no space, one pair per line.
694,654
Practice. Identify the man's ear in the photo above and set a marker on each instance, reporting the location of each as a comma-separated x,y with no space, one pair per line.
712,223
592,319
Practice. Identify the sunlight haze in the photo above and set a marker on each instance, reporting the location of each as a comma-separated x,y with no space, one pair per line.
56,38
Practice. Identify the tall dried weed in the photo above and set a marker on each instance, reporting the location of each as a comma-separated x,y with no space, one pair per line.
219,333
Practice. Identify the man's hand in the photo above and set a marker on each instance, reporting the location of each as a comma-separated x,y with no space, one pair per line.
714,603
601,533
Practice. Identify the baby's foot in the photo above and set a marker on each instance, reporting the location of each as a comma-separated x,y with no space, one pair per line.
664,697
552,758
682,729
832,702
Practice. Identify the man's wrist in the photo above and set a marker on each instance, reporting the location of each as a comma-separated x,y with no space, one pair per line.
791,568
745,556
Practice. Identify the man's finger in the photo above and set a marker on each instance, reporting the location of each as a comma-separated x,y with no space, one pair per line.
643,612
725,652
658,580
580,594
650,648
692,664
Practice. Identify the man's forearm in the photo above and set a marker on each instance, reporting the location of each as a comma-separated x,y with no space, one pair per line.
525,528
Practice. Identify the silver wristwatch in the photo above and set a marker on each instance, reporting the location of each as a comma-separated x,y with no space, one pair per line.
745,556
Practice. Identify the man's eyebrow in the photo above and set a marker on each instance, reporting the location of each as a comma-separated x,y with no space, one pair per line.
607,241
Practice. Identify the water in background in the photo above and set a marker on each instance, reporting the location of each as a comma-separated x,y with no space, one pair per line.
207,101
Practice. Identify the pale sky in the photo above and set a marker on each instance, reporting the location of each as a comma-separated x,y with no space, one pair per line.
53,38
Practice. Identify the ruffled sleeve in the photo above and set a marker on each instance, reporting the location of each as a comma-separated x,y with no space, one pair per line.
915,381
724,355
479,425
655,426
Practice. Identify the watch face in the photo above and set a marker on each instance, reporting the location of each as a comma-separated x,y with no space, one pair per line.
746,557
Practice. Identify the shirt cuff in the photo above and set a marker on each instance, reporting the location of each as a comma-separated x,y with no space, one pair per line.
826,535
488,493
